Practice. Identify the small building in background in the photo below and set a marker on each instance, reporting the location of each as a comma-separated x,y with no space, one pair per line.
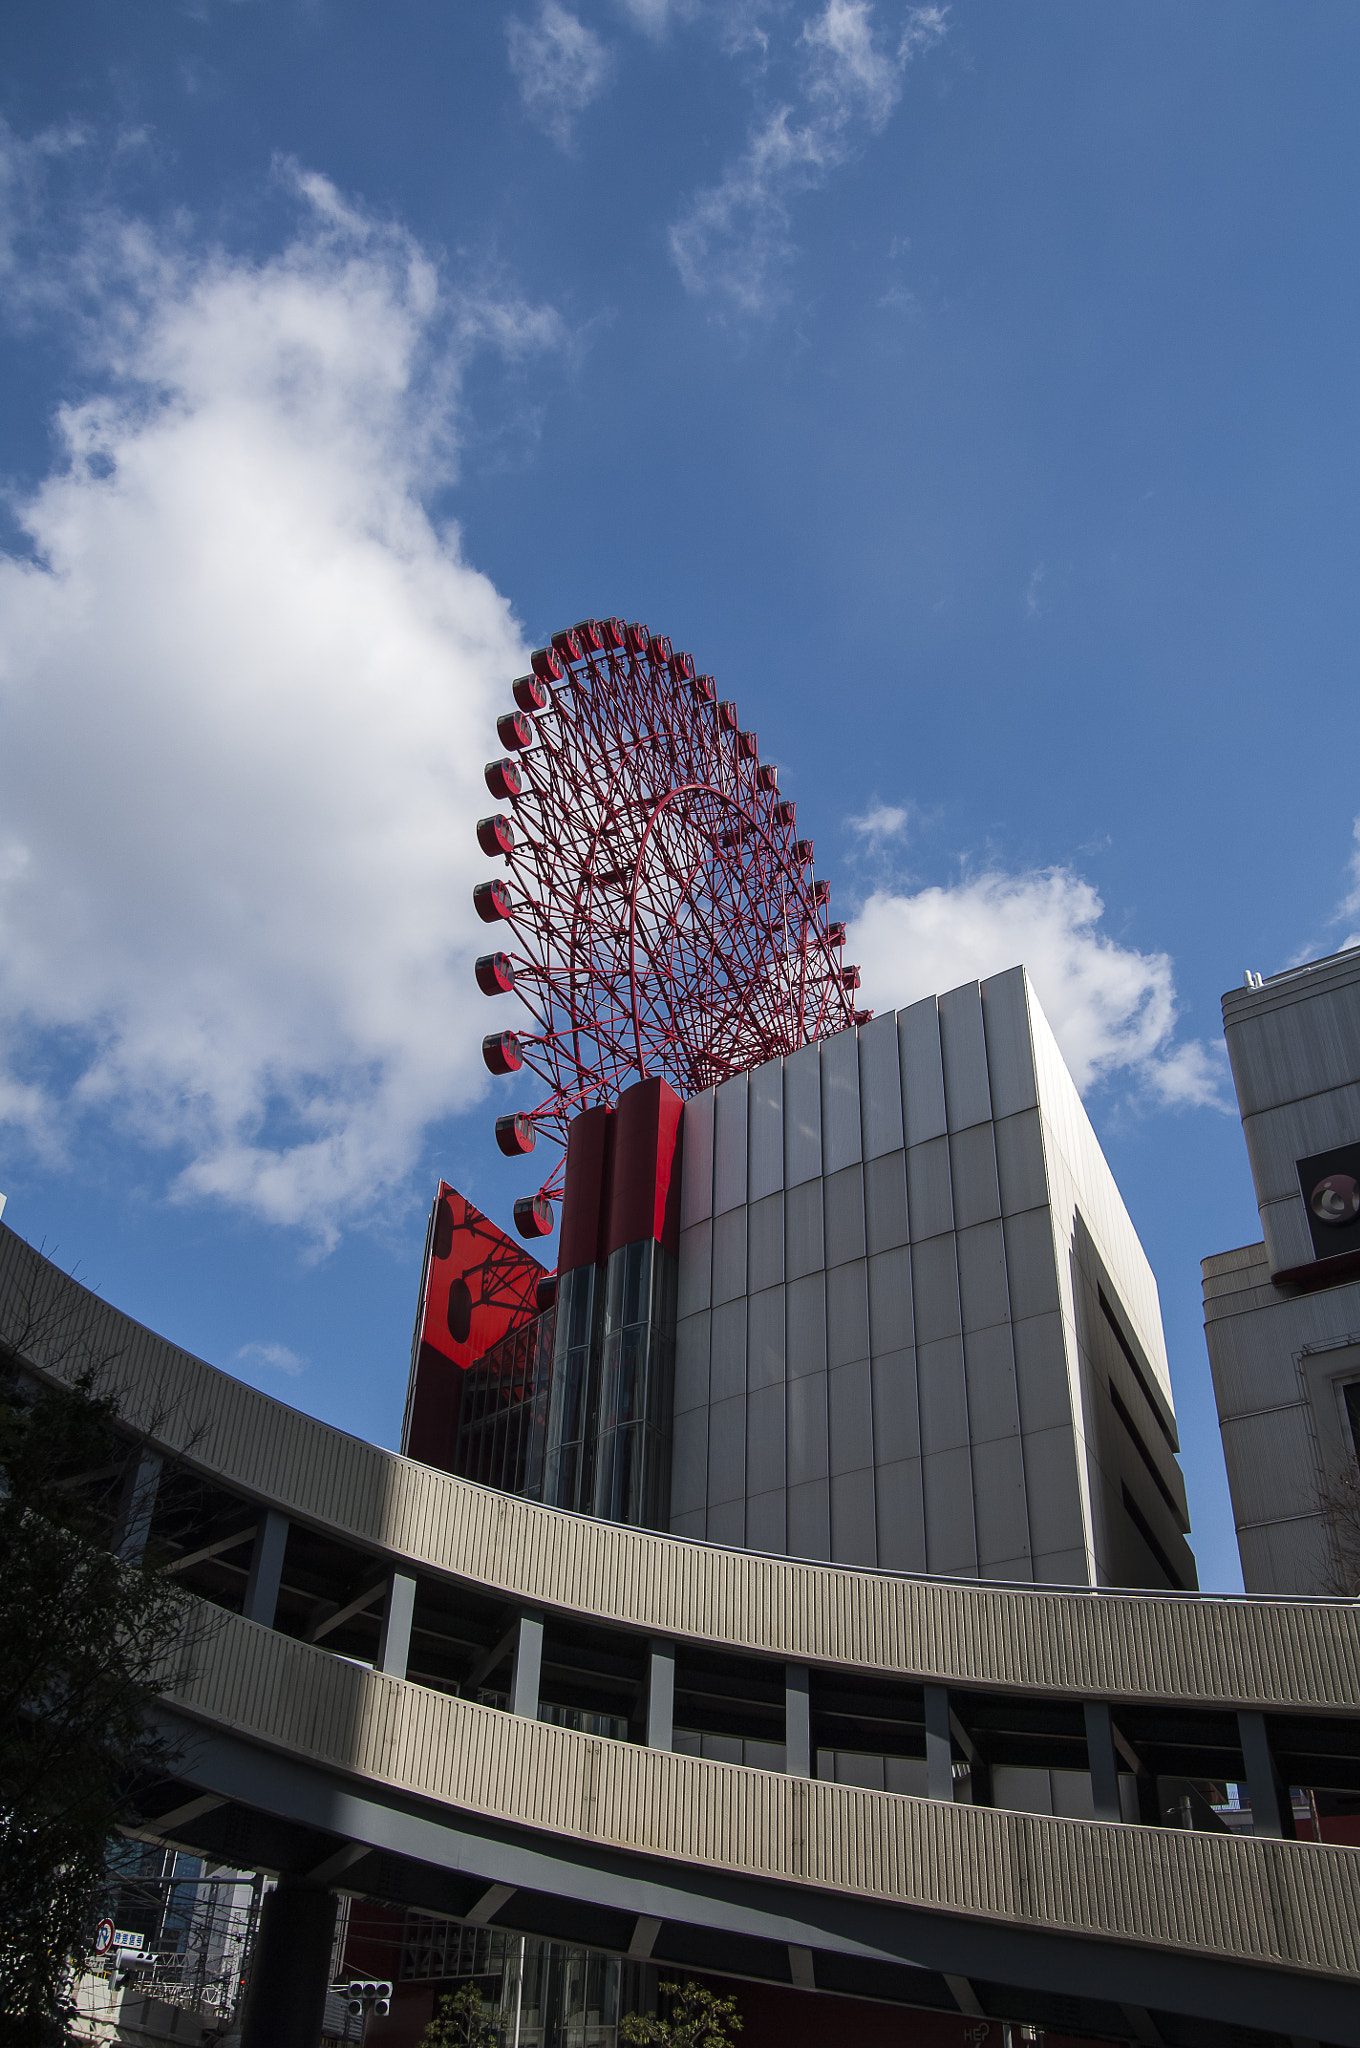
1282,1316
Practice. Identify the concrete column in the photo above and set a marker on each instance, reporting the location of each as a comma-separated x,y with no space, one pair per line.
660,1695
394,1647
266,1569
290,1968
137,1506
1271,1813
528,1664
797,1721
1103,1761
939,1744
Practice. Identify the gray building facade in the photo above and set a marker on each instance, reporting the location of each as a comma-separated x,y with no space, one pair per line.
916,1328
1282,1316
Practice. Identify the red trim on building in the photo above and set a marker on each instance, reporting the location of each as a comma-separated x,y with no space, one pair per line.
644,1188
1320,1273
585,1189
775,2017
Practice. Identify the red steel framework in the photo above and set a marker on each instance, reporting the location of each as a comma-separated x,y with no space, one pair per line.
660,912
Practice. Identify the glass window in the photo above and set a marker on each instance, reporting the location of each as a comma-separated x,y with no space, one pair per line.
1352,1399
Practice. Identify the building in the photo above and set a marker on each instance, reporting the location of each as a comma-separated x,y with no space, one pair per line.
747,1599
878,1302
555,1754
468,1711
1282,1316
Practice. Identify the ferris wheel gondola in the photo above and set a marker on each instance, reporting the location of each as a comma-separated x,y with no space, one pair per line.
658,913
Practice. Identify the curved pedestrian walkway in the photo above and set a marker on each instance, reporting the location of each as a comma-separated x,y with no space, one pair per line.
384,1767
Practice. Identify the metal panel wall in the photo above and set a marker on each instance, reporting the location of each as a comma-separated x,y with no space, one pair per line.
1001,1192
802,1116
729,1145
696,1160
840,1101
766,1139
1276,1356
880,1086
923,1110
1275,1360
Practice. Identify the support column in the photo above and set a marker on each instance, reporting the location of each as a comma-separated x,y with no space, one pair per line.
528,1664
1271,1813
266,1569
797,1721
1104,1763
394,1648
939,1744
660,1695
137,1506
290,1968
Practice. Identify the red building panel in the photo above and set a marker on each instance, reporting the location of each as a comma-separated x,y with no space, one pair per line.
644,1183
477,1284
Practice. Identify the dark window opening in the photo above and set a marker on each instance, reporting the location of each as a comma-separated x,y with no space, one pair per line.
1145,1454
1136,1369
1145,1530
1351,1394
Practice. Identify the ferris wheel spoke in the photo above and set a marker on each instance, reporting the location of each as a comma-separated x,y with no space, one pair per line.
660,912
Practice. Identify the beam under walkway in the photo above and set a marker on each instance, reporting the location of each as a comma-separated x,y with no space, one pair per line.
440,1861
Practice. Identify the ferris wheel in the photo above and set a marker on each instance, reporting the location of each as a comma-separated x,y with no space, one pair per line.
659,910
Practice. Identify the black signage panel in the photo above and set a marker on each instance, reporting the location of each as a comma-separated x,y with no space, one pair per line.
1330,1185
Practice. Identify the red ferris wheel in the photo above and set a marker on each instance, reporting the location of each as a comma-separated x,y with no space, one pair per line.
660,912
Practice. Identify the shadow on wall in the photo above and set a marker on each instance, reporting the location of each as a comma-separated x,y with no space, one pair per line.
1138,1501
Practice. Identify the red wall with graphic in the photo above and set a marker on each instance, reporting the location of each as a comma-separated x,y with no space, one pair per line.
477,1284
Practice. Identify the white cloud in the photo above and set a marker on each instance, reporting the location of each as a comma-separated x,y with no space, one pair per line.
247,687
276,1355
560,66
1346,913
735,239
881,822
1189,1076
1112,1009
26,162
1350,905
654,17
853,73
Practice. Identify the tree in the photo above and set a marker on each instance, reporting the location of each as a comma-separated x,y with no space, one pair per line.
1339,1507
462,2021
87,1638
697,2019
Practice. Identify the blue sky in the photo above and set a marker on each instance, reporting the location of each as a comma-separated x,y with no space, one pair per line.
971,389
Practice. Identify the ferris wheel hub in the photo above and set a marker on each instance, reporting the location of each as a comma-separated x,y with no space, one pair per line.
664,920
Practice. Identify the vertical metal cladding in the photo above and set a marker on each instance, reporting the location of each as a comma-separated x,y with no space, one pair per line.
884,1273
